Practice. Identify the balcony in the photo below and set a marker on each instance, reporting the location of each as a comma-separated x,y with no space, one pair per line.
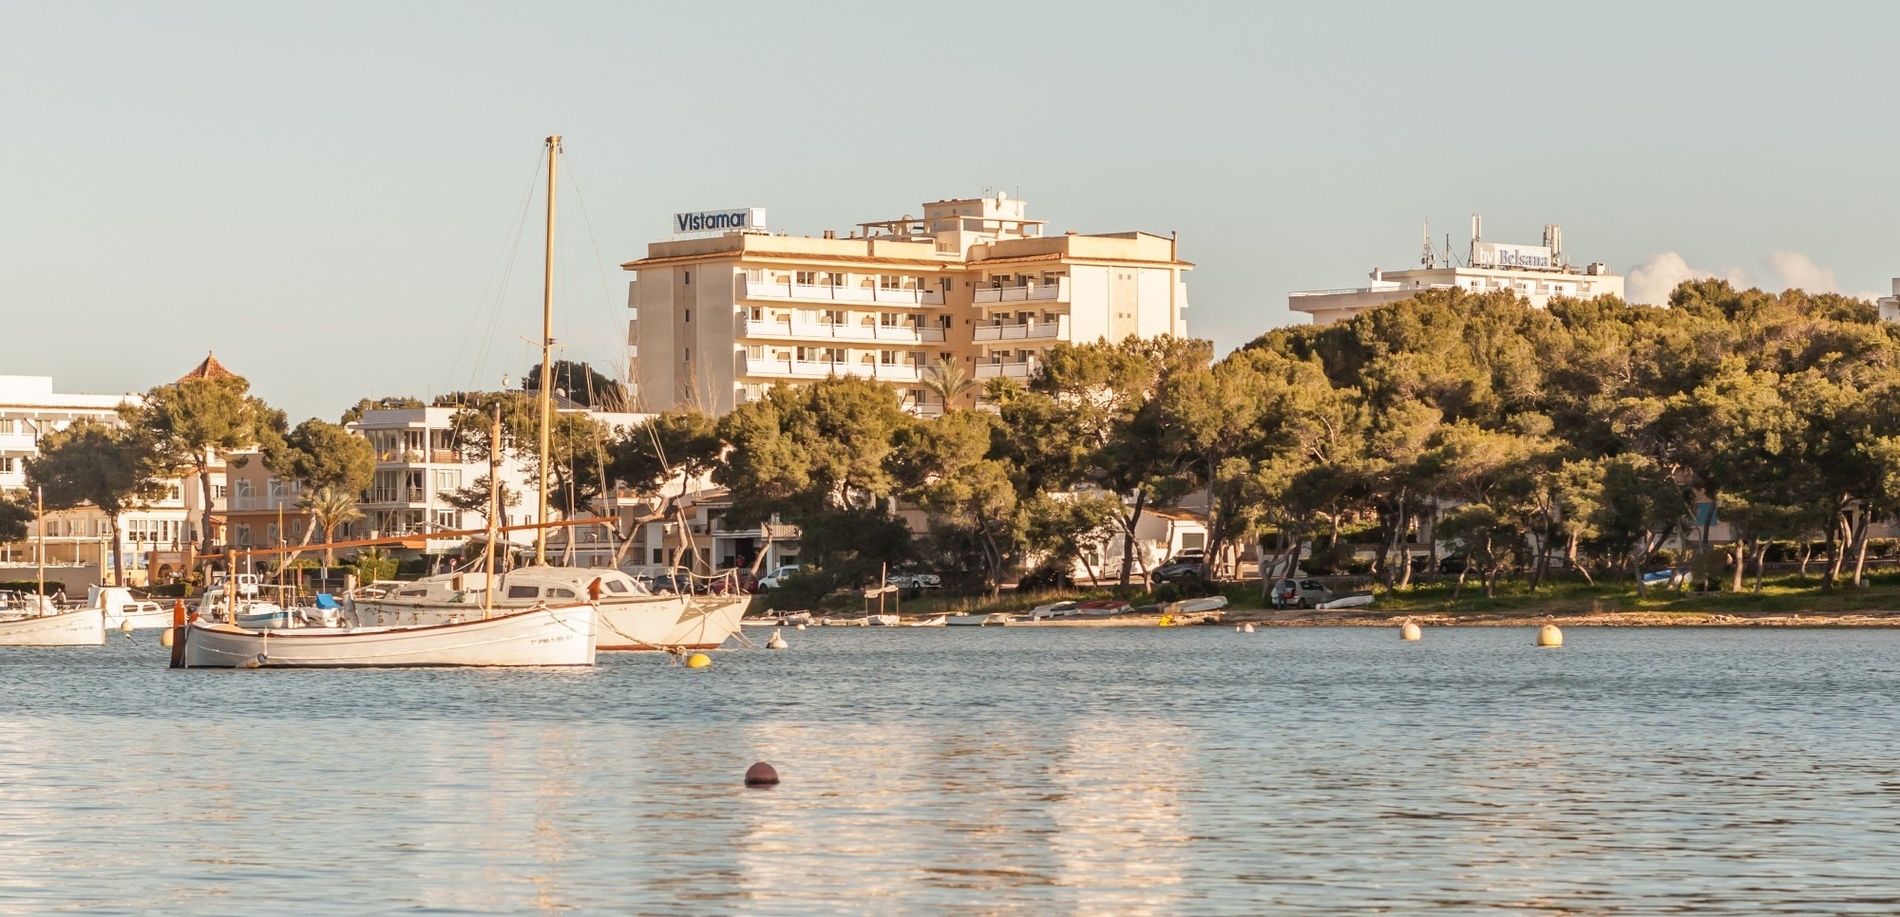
1034,331
418,457
819,369
396,495
246,503
901,334
1035,292
1022,370
802,292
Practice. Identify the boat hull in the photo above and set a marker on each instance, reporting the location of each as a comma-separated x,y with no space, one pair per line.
146,619
83,627
641,625
707,623
536,637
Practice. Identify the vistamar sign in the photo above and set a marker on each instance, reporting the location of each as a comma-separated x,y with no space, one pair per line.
745,218
1530,257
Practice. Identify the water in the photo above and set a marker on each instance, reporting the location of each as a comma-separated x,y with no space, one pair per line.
1046,771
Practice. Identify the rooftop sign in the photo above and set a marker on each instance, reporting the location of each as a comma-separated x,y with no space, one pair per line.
1525,257
742,218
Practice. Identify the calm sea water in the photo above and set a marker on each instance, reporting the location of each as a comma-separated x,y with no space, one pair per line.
1171,771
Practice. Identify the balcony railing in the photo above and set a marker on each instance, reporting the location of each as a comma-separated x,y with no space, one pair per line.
903,334
1034,331
256,502
396,495
819,369
805,292
1035,292
1021,370
417,457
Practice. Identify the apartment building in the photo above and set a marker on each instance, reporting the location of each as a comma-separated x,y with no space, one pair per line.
417,467
1536,273
151,536
1890,305
721,316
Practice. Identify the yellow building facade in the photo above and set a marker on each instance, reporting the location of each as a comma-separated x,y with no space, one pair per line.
720,318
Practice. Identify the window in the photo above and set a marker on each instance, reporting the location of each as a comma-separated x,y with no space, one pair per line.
689,277
755,351
805,279
8,464
890,282
758,314
659,556
241,534
614,585
689,354
887,357
522,592
7,427
559,593
447,479
887,319
689,314
446,520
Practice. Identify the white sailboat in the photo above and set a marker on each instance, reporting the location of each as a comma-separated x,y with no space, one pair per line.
38,622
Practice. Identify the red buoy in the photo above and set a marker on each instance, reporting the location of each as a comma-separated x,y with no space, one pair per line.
760,774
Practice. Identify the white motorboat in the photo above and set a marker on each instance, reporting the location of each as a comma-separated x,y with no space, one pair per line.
542,636
456,597
121,608
976,620
1347,601
78,627
1208,603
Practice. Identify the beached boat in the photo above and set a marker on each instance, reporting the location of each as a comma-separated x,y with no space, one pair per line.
1356,600
1103,607
883,620
1190,606
557,636
938,621
976,620
78,627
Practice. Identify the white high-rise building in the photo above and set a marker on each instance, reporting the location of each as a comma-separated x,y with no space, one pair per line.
1534,272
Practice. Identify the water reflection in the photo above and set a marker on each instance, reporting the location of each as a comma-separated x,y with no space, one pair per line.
1047,772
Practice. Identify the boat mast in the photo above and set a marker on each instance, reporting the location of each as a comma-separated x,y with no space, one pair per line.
494,509
547,348
39,549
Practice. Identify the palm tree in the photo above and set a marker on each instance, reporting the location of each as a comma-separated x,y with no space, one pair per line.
948,379
329,508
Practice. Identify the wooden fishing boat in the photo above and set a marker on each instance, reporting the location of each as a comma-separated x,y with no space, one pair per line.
557,636
78,627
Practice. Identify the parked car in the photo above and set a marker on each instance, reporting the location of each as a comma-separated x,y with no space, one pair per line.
1178,570
1454,563
1198,555
682,583
733,582
1300,593
915,581
777,577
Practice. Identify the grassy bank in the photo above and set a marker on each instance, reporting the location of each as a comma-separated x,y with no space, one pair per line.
1786,595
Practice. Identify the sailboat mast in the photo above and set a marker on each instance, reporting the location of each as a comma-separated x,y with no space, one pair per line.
39,550
494,510
547,364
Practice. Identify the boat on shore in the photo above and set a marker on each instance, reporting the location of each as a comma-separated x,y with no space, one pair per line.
938,621
542,636
1356,600
976,620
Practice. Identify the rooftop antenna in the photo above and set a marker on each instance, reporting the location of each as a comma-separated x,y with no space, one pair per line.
1426,257
1477,235
1554,240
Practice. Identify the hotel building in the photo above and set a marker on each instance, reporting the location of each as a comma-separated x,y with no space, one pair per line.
1533,272
1890,305
721,316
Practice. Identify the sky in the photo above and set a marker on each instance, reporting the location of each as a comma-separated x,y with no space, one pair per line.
338,199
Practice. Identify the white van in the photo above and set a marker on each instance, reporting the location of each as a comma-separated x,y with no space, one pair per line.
773,579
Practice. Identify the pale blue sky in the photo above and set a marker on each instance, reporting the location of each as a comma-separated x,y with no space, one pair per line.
322,194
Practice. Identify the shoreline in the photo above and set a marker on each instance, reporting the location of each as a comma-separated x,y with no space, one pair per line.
1371,618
